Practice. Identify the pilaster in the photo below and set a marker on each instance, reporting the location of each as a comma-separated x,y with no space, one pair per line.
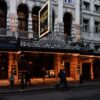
30,32
77,20
75,67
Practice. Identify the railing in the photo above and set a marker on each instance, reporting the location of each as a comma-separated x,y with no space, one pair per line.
22,34
67,38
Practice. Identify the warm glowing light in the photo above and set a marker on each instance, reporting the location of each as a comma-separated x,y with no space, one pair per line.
75,54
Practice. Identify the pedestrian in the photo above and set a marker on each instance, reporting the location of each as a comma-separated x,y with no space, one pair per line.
11,80
43,74
81,79
22,80
62,77
27,78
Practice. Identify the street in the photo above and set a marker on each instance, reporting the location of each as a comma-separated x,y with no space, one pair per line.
80,93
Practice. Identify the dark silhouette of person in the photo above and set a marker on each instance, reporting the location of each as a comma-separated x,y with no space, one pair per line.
27,78
62,76
11,79
22,80
43,74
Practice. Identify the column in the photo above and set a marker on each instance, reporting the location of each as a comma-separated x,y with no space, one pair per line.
12,19
60,11
57,64
74,69
77,20
59,27
30,32
91,69
13,65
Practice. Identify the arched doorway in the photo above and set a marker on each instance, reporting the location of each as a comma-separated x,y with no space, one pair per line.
67,19
22,13
35,21
3,17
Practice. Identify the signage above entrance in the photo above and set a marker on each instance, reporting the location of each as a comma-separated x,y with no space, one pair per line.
49,45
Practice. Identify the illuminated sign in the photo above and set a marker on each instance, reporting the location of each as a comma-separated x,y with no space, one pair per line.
44,20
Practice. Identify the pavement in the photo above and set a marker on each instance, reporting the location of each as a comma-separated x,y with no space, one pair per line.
46,86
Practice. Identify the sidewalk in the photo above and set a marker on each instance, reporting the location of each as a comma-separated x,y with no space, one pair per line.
39,87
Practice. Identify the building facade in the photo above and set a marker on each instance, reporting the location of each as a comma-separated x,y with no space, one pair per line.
72,42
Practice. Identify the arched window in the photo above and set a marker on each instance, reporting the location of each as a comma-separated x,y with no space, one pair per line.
35,20
67,19
22,12
3,14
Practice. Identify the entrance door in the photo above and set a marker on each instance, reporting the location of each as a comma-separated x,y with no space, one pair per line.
96,69
86,71
35,63
3,66
67,67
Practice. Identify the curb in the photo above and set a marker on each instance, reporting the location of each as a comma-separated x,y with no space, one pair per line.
46,88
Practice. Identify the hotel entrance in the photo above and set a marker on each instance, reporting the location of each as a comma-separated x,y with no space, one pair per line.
35,63
3,66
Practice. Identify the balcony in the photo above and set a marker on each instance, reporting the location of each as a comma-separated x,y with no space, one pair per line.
22,34
87,35
97,36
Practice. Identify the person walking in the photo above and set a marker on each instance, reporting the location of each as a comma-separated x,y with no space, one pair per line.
62,77
22,80
11,80
27,78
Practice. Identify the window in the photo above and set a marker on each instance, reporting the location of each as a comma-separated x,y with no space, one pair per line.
97,8
86,5
2,19
96,27
22,26
35,23
68,1
86,25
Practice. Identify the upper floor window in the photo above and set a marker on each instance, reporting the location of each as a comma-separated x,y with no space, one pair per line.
86,25
96,27
68,1
2,19
97,8
86,5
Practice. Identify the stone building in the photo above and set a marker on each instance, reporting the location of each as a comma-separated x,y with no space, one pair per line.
71,40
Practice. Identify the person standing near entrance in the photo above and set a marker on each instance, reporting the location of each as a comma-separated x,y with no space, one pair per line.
11,80
62,76
43,74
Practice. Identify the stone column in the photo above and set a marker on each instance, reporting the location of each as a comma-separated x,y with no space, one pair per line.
77,20
30,32
59,27
12,18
